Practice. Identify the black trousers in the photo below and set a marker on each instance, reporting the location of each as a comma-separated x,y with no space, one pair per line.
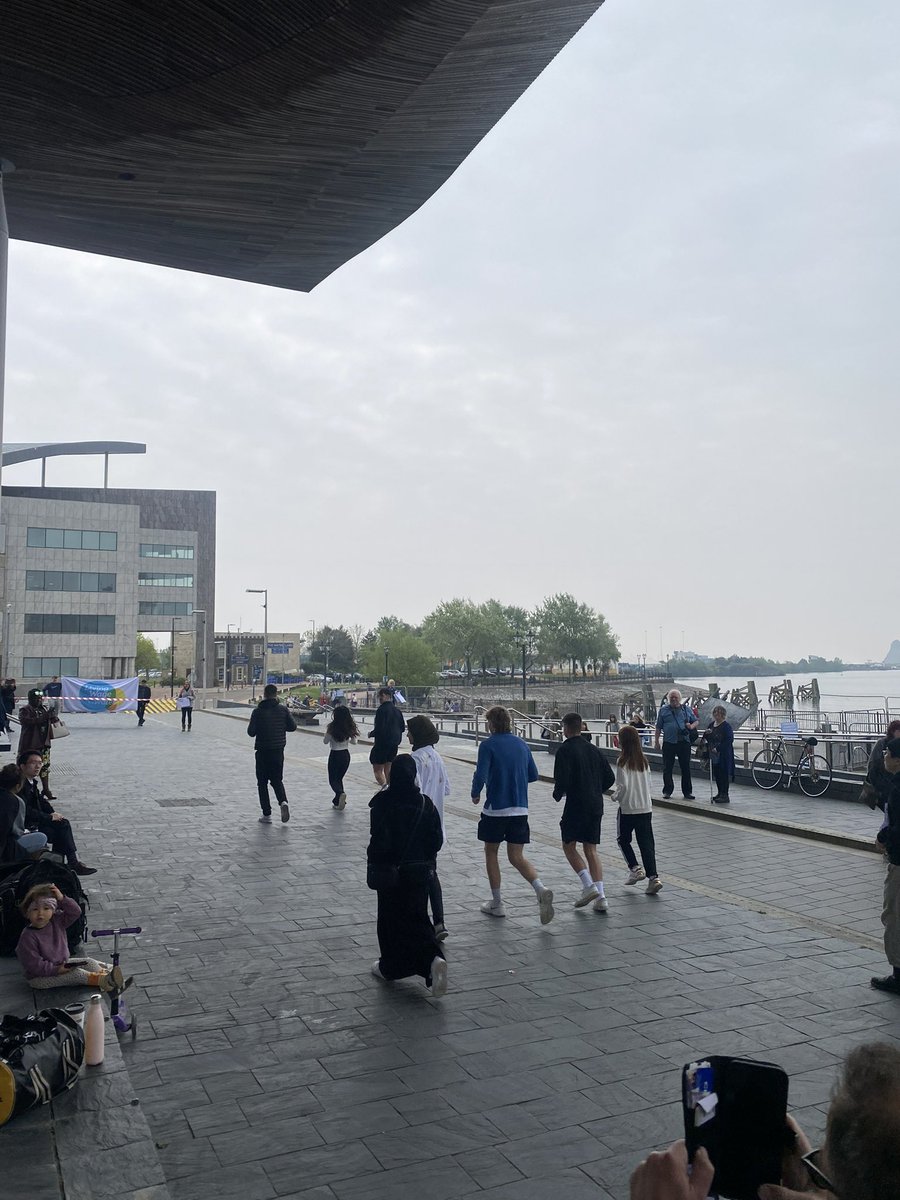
142,708
436,899
338,765
722,777
681,751
186,714
61,836
270,769
641,825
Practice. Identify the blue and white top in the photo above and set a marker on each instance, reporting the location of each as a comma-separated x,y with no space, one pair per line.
505,767
673,722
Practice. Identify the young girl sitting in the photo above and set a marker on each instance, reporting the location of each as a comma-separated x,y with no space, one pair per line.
431,775
339,734
43,949
635,815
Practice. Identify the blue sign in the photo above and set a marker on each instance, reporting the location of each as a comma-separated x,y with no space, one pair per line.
239,660
280,647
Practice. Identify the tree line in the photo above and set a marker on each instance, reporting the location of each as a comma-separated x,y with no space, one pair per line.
459,632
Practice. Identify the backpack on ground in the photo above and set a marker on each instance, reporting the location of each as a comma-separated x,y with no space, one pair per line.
14,887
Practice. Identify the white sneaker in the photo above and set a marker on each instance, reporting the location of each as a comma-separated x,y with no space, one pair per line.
376,970
545,903
601,904
438,977
342,802
285,811
587,895
635,876
265,820
494,908
654,886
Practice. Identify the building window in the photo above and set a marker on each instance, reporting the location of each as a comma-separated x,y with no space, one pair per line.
257,650
163,579
220,674
164,608
69,581
69,623
38,668
72,539
161,550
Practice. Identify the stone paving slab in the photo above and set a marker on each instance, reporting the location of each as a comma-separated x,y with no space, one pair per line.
271,1063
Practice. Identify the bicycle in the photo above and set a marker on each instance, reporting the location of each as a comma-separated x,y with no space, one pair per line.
812,771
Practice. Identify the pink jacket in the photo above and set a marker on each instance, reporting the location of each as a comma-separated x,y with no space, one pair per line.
43,951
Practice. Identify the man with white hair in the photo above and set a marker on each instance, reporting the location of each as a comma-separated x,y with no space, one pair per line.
674,724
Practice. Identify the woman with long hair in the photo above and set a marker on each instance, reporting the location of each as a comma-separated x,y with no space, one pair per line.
431,776
340,733
635,815
405,838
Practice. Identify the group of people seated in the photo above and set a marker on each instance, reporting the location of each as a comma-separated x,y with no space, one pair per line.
29,824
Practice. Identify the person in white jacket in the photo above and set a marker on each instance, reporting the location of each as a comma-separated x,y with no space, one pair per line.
635,815
431,776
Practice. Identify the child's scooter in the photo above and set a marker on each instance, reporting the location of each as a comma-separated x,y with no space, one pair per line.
117,1008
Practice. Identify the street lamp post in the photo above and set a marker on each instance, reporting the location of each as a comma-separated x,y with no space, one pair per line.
228,654
386,653
326,646
264,592
524,639
202,612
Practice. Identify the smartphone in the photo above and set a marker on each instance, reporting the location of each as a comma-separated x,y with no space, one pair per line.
737,1110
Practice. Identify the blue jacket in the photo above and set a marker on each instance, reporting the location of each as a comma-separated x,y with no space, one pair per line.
505,767
673,722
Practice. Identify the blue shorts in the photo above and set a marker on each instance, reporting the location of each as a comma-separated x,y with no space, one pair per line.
513,830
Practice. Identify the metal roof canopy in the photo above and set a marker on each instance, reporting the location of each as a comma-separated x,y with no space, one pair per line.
267,142
19,452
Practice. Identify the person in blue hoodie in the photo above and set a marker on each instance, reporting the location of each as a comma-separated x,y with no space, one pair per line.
504,769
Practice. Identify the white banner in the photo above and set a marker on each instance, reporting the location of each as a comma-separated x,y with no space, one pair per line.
99,695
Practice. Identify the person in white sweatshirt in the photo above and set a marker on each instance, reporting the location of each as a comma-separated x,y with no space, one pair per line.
635,815
431,776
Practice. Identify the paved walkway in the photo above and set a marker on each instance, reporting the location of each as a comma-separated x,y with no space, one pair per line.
271,1063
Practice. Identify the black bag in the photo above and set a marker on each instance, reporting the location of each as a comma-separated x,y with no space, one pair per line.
15,886
40,1056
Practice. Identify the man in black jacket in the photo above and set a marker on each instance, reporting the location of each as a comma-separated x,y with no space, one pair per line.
582,774
270,724
889,837
143,699
43,817
387,734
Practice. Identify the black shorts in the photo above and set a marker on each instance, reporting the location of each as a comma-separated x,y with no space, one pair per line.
381,754
581,822
513,830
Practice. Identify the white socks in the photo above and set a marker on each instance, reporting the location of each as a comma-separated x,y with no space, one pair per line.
538,886
585,877
598,884
495,895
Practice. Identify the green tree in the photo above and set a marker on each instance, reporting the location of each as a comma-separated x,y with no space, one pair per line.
572,632
411,659
341,651
456,631
146,656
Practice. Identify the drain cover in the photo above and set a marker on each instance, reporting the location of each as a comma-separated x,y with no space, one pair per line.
186,802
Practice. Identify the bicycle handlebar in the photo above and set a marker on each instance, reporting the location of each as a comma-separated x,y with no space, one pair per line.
111,932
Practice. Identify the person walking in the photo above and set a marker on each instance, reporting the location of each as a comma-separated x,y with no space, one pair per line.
405,836
270,723
35,720
387,734
581,775
675,723
143,699
340,733
53,694
635,815
889,839
431,776
719,737
8,701
504,769
186,704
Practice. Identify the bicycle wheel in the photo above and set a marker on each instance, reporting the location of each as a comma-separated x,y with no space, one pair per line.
814,775
767,769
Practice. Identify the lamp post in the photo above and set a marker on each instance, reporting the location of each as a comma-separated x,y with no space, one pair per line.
202,612
386,653
524,639
326,646
228,655
264,592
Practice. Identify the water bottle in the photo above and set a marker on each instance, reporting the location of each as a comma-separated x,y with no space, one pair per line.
94,1032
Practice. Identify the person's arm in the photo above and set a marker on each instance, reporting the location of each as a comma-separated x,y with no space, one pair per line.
533,773
380,848
664,1176
377,724
658,729
28,716
251,728
480,778
560,775
434,835
290,723
69,910
607,774
690,721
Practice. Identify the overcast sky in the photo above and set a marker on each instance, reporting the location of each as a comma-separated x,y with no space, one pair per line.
642,347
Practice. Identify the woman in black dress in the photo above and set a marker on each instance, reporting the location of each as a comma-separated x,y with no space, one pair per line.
405,838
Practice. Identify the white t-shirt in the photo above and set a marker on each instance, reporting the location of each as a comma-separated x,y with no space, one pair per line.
431,776
336,745
633,791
